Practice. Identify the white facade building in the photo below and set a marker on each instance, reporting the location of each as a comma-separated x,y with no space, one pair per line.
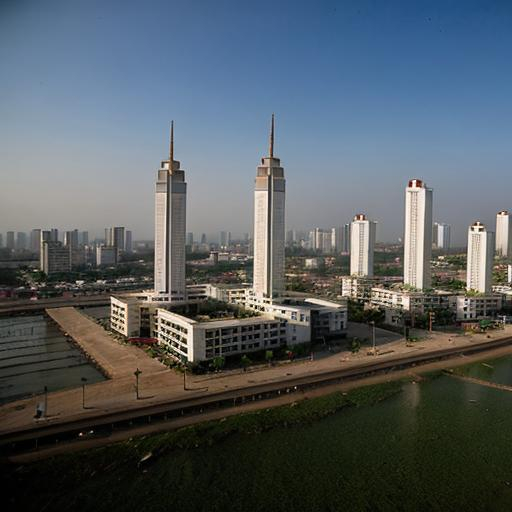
418,235
269,225
442,235
503,234
362,246
480,258
170,226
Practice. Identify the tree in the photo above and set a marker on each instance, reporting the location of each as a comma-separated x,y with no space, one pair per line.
245,361
355,345
269,355
218,363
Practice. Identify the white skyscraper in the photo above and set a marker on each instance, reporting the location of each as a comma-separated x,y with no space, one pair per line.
418,235
362,246
441,236
170,225
503,234
269,205
480,258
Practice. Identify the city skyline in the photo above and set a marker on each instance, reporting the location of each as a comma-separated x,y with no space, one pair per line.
441,112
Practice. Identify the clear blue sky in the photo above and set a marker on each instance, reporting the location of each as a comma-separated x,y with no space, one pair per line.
366,96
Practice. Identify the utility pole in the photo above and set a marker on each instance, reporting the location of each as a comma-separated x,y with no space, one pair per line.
137,372
184,379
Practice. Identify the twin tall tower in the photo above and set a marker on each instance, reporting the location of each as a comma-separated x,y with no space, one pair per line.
170,227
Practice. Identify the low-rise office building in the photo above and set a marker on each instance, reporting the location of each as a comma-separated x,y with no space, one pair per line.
190,337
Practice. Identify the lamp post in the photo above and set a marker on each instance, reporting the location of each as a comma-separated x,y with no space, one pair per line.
45,412
372,323
84,381
137,372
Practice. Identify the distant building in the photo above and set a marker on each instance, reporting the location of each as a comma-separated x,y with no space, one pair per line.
106,255
362,246
9,240
85,238
269,225
314,263
480,258
190,239
54,235
225,239
345,239
1,240
44,236
35,241
418,235
203,238
441,236
55,257
71,239
21,241
337,240
503,234
128,242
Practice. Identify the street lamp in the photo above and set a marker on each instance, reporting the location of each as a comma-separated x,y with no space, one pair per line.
137,372
84,381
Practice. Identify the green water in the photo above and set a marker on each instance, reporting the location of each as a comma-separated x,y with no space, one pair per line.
442,445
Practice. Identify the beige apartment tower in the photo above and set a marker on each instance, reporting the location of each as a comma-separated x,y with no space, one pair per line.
418,235
362,246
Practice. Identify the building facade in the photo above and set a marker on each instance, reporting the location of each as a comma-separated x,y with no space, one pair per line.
441,236
503,234
362,246
480,258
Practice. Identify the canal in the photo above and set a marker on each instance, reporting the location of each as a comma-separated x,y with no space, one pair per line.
34,353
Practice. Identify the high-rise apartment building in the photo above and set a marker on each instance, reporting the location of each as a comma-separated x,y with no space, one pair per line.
170,226
362,246
269,225
418,235
190,239
84,239
503,234
441,235
480,258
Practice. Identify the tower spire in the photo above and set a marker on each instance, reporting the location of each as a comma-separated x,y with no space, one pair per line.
271,148
171,148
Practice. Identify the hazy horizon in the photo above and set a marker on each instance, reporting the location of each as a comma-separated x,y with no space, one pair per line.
366,97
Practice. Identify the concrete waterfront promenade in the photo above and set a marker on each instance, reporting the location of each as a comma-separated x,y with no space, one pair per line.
113,358
161,387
